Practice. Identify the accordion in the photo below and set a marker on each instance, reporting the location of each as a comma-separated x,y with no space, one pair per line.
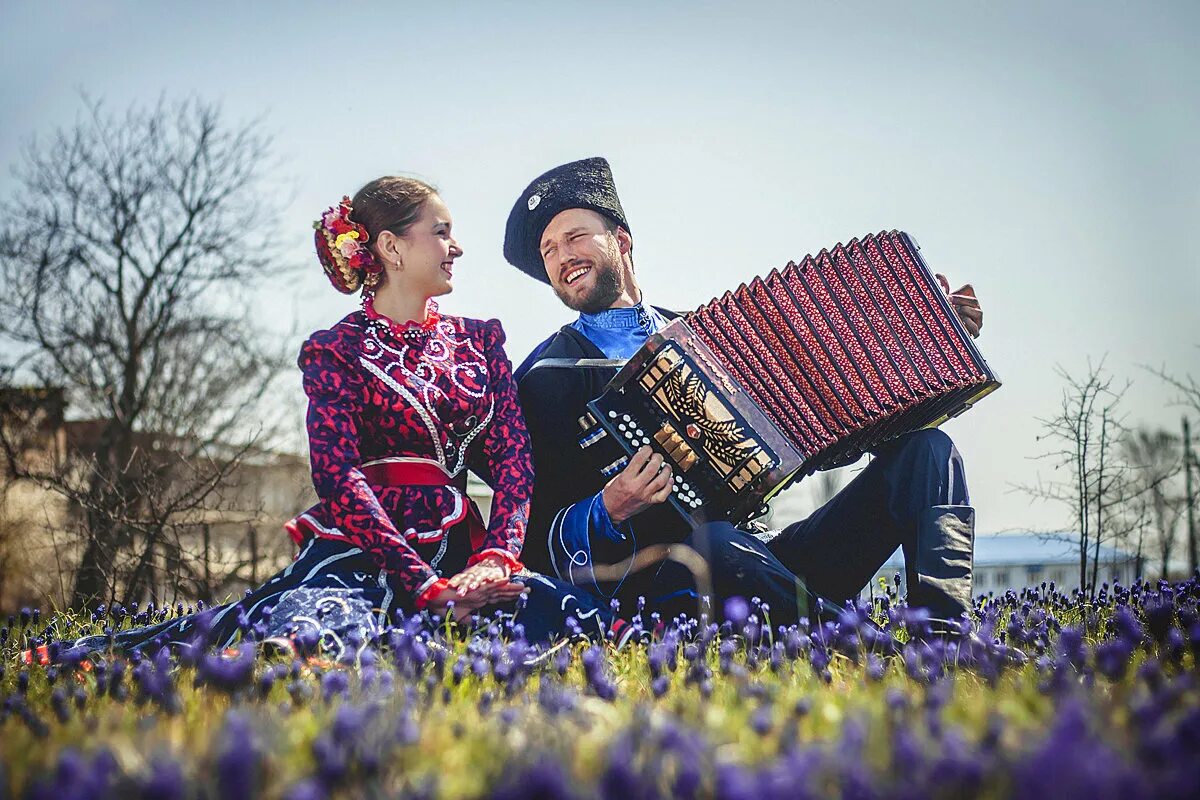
803,370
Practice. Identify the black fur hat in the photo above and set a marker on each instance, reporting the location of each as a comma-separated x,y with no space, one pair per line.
580,184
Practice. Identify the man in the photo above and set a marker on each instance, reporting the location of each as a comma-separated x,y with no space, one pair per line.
568,230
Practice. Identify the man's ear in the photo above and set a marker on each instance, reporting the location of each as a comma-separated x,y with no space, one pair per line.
624,241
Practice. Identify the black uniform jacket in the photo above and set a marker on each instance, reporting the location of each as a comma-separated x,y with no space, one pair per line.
553,400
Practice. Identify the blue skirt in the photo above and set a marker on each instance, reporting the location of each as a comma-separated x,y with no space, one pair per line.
333,594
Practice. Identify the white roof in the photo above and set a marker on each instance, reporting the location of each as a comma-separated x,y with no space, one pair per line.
1000,549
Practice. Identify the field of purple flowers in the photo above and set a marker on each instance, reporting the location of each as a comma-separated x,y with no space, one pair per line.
1041,695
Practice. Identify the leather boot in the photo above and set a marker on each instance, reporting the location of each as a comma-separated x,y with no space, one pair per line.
940,576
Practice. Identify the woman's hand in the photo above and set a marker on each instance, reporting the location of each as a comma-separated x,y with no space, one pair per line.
489,570
493,593
484,595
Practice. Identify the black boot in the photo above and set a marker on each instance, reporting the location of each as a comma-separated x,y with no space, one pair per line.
940,571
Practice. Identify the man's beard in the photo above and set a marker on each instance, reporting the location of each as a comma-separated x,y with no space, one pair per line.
606,288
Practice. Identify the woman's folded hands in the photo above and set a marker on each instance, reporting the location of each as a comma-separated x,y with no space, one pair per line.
485,583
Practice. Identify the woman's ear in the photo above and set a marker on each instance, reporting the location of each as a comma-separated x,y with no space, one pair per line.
390,249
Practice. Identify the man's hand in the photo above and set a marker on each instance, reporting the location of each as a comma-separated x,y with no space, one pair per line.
965,305
645,481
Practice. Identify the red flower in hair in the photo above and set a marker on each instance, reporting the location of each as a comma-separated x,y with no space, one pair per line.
343,252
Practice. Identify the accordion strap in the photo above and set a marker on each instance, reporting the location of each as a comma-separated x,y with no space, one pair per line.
581,363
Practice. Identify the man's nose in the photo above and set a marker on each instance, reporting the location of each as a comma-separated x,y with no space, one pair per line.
566,256
455,248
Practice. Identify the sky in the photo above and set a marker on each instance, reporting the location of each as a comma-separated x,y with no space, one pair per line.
1044,152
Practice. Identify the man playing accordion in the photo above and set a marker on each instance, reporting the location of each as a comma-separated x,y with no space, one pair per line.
608,533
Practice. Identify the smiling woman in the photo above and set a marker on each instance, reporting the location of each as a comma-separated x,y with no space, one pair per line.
403,401
409,230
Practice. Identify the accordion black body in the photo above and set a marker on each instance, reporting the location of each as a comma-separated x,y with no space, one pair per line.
802,370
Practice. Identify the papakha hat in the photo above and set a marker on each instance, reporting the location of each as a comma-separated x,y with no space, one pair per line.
581,184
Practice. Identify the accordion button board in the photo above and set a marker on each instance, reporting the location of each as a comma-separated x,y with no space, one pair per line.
804,369
682,405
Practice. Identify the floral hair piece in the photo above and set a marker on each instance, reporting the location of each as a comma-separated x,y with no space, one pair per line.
343,252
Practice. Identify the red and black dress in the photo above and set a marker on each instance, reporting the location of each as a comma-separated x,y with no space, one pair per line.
397,414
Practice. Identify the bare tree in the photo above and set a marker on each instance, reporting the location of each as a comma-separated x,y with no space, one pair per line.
128,251
1085,440
1188,386
1189,396
1157,458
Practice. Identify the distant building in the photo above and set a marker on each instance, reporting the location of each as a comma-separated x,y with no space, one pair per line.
231,540
1006,561
230,543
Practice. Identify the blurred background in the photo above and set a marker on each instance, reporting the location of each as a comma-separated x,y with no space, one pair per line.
1045,153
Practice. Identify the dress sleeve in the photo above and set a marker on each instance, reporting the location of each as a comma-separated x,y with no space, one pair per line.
335,389
502,458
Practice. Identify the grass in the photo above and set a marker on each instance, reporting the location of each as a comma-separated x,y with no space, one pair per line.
401,728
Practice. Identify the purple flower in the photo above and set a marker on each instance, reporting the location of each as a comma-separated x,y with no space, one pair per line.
545,778
1072,762
227,673
1070,644
737,611
1128,627
761,721
332,759
165,781
307,789
237,759
1112,658
335,683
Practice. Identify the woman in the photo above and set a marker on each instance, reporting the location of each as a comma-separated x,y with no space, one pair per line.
402,401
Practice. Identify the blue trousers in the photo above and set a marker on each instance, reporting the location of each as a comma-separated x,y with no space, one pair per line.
912,495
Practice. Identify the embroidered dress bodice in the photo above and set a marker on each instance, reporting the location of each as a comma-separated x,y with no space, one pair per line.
438,391
441,373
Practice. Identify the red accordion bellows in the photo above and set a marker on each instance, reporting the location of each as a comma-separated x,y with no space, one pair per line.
846,349
802,370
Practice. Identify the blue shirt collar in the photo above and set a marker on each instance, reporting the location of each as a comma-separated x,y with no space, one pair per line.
619,318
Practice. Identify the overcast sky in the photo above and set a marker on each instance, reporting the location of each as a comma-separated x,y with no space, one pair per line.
1045,152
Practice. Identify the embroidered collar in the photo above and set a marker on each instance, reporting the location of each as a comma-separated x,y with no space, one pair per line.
411,329
619,318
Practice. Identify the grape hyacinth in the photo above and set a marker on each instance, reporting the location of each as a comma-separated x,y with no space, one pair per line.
1035,693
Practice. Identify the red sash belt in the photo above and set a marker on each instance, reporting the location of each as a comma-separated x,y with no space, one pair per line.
411,473
428,473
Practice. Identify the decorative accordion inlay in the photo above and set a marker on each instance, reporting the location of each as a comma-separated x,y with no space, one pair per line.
802,370
699,419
